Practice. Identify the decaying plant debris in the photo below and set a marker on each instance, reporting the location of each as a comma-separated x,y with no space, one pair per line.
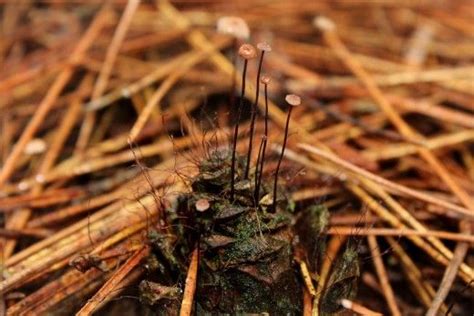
119,192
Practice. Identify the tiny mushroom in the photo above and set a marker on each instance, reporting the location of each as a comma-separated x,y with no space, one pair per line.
265,79
202,205
35,146
233,25
264,46
293,99
247,51
324,23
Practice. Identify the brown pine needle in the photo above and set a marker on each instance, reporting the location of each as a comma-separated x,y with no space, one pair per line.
387,183
53,93
450,273
190,285
18,233
307,278
374,231
21,216
358,308
421,287
383,277
385,128
106,70
307,303
111,285
154,100
465,272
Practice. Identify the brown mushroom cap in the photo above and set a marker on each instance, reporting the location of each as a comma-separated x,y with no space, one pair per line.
247,51
202,205
293,99
233,25
265,79
264,46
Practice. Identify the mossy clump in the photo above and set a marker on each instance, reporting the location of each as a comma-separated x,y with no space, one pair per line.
246,262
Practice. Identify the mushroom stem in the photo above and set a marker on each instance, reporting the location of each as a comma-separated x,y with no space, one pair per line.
254,114
258,171
279,160
263,145
234,73
236,132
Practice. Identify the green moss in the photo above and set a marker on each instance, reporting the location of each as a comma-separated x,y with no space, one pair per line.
246,262
343,280
310,227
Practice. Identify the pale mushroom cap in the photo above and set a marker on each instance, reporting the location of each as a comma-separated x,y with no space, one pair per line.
346,303
202,205
35,146
234,26
293,99
264,46
247,51
265,79
324,23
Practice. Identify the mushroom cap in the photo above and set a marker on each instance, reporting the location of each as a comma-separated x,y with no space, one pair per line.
293,99
265,79
233,25
247,51
264,46
324,23
35,146
202,205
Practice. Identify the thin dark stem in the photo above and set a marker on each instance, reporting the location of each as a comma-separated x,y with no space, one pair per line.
234,80
234,72
281,158
236,132
264,142
254,114
258,171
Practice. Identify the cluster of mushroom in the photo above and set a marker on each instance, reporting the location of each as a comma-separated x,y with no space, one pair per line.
239,30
